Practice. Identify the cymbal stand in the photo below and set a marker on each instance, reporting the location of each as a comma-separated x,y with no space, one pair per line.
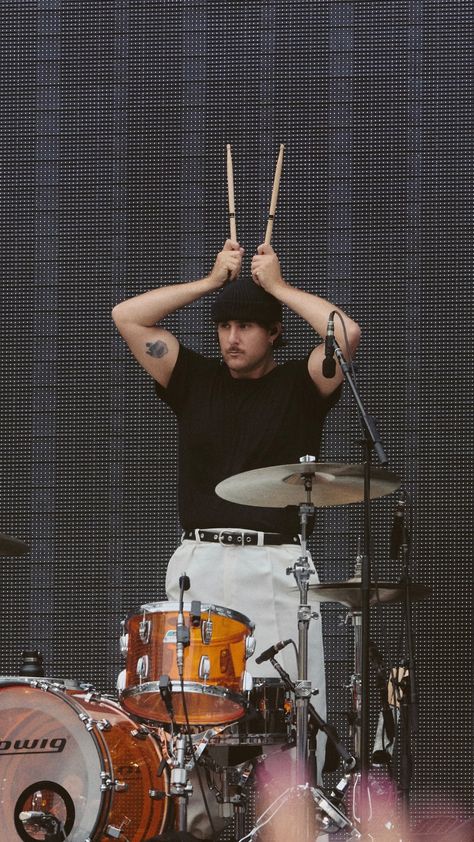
409,702
303,691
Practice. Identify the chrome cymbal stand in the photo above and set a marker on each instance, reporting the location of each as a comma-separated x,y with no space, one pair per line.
303,691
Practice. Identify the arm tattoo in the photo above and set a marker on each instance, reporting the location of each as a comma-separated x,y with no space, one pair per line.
157,349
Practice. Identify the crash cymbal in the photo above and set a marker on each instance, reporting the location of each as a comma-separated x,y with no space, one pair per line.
333,483
12,546
349,593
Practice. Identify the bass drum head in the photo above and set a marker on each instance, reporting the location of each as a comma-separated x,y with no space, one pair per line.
55,761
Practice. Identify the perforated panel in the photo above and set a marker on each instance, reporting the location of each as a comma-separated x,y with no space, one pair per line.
114,119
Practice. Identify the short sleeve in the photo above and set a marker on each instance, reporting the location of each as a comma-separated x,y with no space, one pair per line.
187,367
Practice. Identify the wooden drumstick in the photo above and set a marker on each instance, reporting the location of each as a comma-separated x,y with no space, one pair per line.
230,193
276,187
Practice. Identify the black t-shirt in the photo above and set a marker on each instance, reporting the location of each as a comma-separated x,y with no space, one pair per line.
227,426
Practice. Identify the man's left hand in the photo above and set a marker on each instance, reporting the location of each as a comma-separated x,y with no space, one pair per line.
266,270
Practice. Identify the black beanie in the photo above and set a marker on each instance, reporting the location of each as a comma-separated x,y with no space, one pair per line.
244,301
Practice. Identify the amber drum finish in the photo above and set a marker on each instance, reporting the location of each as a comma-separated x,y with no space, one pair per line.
79,758
214,676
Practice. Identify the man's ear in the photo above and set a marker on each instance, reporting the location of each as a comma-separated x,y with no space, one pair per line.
275,329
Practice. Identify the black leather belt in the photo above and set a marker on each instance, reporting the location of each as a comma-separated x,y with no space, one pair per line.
229,536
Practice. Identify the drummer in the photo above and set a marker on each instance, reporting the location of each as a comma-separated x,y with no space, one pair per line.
239,413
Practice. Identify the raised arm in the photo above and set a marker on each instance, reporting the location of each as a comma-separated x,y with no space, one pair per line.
266,272
137,319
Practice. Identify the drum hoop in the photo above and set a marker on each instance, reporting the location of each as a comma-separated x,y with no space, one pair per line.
173,607
223,739
266,681
58,683
188,686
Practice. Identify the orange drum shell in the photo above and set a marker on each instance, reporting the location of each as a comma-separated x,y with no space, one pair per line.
135,762
217,699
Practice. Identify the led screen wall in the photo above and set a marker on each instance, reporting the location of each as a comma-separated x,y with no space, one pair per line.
114,118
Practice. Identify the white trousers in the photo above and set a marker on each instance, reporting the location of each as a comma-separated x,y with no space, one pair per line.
253,580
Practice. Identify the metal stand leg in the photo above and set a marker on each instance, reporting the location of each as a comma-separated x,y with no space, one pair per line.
179,782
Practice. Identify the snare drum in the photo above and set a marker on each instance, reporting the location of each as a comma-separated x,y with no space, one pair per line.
214,675
75,766
269,717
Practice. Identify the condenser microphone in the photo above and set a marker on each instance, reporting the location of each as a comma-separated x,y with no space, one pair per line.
397,534
182,631
329,363
272,651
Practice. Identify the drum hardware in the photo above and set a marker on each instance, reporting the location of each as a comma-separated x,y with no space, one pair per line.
204,669
144,630
231,790
255,486
42,823
317,721
32,663
206,631
202,740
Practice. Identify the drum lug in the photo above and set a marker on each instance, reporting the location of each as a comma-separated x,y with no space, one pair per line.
204,667
114,832
206,631
144,630
103,725
156,794
120,786
92,696
142,667
124,644
139,733
121,680
88,722
246,682
249,645
108,783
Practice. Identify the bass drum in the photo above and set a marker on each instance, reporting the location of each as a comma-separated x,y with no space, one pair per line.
74,766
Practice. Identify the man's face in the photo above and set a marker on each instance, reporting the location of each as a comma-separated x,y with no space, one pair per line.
246,348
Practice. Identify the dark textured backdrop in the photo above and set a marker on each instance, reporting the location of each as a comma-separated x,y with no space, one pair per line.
113,122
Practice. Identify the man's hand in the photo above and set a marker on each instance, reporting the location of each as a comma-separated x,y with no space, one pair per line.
227,264
266,270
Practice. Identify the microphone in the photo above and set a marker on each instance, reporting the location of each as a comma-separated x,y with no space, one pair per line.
184,584
397,535
272,651
165,688
182,632
329,363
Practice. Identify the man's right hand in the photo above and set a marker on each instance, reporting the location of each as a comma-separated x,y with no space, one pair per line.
227,264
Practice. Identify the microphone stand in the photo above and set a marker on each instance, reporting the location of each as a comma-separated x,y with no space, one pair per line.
371,441
179,776
409,702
